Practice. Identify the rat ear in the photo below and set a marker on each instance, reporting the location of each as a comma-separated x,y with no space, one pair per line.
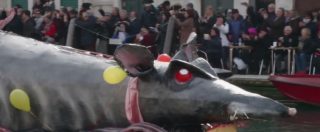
137,60
217,72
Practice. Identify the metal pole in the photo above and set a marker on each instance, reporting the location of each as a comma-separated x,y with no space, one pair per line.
289,61
310,64
293,61
230,57
272,62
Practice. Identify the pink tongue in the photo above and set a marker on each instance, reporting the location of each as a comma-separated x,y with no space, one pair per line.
132,102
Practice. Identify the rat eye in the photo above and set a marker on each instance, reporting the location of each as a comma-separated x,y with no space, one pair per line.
183,76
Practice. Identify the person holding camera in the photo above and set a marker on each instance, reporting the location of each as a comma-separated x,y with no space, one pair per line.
186,26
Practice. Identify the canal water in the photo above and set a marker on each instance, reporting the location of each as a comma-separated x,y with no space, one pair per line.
307,119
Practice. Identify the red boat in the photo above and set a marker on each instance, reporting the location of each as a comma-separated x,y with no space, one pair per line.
304,88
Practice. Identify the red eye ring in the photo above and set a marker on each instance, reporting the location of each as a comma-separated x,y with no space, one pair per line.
183,75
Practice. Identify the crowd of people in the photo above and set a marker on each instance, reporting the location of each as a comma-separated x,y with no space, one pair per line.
216,30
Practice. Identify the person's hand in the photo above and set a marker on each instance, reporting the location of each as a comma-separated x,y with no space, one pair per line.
281,39
302,24
157,25
171,12
265,16
203,19
245,36
218,23
126,22
139,37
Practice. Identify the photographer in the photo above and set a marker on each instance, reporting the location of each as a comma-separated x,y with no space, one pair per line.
186,26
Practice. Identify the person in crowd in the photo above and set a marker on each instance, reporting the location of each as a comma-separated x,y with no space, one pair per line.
73,14
38,18
121,31
276,25
271,12
19,10
87,39
149,15
186,27
306,47
307,22
50,29
146,38
115,17
15,25
28,24
207,20
196,17
11,13
236,26
224,30
260,49
293,20
249,37
123,16
38,5
228,14
252,18
134,23
213,47
62,22
287,40
164,7
262,16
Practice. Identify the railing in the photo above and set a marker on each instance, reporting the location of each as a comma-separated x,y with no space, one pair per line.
291,59
231,48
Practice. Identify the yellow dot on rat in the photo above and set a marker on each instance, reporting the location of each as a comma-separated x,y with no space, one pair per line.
114,75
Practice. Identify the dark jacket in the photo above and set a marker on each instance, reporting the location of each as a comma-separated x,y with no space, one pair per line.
313,28
134,27
86,37
29,28
149,18
290,41
15,25
309,46
212,46
294,23
207,25
276,26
